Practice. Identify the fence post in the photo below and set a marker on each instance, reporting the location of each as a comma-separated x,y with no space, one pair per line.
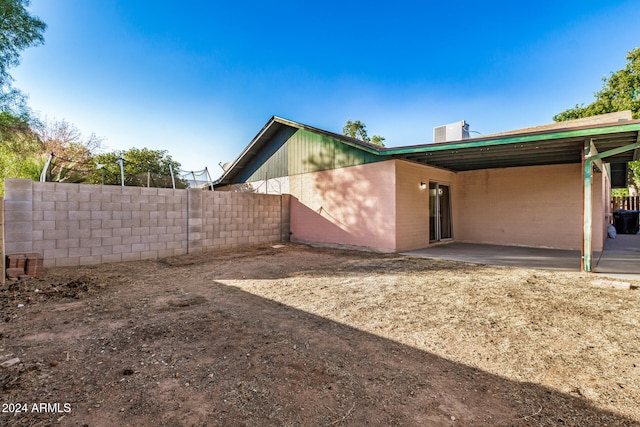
173,180
120,160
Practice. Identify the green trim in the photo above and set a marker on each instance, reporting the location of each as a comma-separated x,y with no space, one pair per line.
615,151
514,140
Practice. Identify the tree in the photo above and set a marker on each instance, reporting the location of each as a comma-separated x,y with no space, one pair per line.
72,154
20,149
378,140
18,31
142,167
19,146
620,91
358,130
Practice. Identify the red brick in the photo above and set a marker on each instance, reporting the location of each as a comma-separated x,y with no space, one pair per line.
16,261
14,272
34,265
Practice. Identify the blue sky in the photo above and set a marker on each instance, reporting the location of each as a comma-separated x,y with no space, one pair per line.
200,78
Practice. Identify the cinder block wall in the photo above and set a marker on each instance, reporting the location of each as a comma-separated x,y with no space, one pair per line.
229,219
75,224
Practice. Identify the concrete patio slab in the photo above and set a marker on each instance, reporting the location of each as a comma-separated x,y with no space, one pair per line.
516,256
620,259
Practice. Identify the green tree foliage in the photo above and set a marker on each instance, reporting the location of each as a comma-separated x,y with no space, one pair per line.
620,91
19,146
358,130
18,30
377,140
142,167
20,149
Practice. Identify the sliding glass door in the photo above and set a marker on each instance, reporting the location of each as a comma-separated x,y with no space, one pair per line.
439,212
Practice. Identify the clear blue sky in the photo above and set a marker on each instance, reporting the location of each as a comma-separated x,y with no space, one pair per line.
201,78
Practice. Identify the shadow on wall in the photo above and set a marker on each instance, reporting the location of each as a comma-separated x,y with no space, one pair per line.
352,206
315,226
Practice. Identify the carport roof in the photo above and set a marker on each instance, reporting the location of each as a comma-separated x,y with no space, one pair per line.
525,149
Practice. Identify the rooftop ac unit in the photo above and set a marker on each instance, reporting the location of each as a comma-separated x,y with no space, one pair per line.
451,132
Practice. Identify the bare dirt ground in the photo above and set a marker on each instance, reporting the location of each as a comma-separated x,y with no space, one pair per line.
304,336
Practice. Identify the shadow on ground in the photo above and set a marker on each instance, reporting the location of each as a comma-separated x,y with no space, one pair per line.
179,354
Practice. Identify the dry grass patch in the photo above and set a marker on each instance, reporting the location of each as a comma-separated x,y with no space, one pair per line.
303,336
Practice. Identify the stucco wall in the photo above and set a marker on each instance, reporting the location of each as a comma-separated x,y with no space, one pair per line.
528,206
75,224
353,206
600,197
381,206
607,216
412,203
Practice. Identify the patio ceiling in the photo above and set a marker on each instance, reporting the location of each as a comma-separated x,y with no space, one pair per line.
529,149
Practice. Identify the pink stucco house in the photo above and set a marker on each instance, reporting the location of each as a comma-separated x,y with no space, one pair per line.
547,186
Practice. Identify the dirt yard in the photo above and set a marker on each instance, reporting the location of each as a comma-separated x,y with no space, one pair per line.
317,337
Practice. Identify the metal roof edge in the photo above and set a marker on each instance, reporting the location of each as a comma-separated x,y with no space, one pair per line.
354,142
246,149
510,139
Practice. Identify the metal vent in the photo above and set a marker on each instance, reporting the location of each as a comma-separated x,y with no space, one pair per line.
440,134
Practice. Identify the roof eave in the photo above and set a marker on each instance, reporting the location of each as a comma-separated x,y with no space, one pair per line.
583,131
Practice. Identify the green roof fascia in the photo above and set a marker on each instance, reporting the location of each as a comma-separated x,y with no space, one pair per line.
513,140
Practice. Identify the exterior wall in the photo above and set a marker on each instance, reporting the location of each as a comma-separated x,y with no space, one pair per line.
607,215
298,151
527,206
75,224
381,206
412,203
352,206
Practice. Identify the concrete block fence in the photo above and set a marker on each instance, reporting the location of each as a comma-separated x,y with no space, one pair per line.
78,224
